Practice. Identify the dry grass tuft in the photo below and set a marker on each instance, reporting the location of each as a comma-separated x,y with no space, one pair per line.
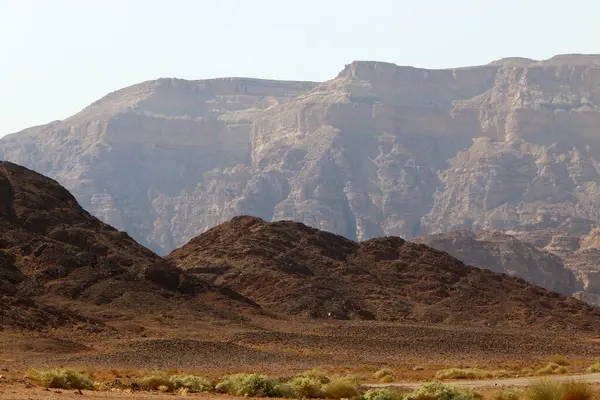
510,394
577,391
192,383
469,373
384,375
544,390
158,382
316,374
306,387
594,367
552,368
441,391
382,394
341,388
62,378
248,385
560,360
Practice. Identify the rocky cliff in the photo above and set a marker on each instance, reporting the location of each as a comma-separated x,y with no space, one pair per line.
379,150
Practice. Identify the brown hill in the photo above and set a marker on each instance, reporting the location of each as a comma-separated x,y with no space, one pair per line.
296,270
53,251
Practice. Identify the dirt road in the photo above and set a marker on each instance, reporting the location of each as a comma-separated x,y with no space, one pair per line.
590,378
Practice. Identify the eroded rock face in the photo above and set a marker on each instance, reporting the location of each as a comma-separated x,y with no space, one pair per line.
499,252
558,254
379,150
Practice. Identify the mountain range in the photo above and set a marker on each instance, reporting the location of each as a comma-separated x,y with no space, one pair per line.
508,150
60,266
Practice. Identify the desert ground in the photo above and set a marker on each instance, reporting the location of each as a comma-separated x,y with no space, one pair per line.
133,348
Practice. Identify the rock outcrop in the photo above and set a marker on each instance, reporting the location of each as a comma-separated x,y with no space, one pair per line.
379,150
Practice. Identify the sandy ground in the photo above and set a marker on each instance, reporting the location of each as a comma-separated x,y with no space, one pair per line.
589,378
21,393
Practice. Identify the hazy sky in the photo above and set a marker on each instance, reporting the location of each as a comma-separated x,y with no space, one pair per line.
57,56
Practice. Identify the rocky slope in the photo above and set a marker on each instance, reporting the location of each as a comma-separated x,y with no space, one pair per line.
52,252
379,150
503,253
297,270
555,253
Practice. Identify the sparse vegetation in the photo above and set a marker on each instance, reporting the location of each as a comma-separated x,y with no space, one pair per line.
382,394
316,374
594,367
62,378
577,391
341,388
544,390
527,371
158,382
315,384
307,387
193,383
509,394
552,368
469,373
440,391
285,390
560,360
384,375
248,385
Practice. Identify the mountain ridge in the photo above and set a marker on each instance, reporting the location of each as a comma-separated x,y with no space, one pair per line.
378,150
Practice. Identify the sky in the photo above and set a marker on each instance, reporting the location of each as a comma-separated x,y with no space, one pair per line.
58,56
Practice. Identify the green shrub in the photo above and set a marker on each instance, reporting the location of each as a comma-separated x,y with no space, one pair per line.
341,388
285,390
560,360
544,390
594,367
382,394
577,391
156,382
440,391
62,378
194,384
306,387
249,385
384,375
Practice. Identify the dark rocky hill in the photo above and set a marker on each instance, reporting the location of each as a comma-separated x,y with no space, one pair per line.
296,270
51,250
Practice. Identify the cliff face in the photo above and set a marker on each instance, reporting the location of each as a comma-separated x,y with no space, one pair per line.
379,150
